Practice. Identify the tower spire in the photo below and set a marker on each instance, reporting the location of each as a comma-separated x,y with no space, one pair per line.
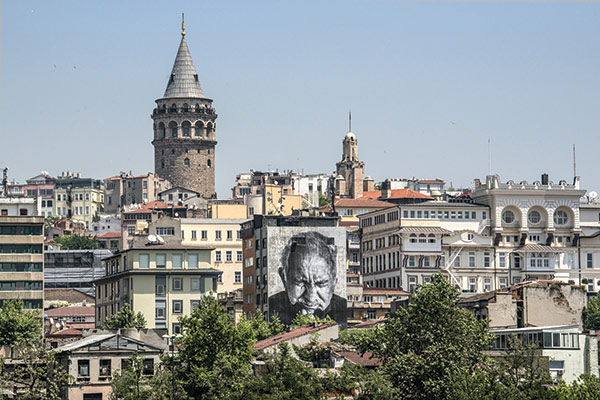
350,121
182,25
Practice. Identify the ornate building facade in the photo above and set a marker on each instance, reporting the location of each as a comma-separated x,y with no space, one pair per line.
184,129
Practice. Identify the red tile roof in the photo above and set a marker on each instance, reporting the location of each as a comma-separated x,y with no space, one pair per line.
396,194
70,311
362,203
389,291
431,181
112,177
82,325
367,359
109,235
284,337
70,295
67,332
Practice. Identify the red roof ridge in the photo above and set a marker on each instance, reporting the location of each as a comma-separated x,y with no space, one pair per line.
282,337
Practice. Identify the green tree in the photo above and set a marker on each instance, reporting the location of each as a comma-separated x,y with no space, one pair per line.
50,221
17,325
307,319
591,314
77,242
33,375
214,357
285,378
431,345
587,387
125,318
259,327
324,200
131,384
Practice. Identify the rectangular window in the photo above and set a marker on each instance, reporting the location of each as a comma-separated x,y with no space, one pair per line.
229,235
502,283
176,261
161,261
218,256
472,260
472,284
105,368
457,261
229,256
237,277
238,256
204,235
426,262
411,261
590,261
148,363
192,260
517,261
194,304
218,235
83,367
165,231
486,260
502,260
178,284
194,235
487,284
177,306
144,260
176,328
195,284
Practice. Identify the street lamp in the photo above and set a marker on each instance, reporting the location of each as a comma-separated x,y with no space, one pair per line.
171,341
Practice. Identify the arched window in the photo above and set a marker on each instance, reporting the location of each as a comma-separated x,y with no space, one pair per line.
186,107
198,128
534,216
209,128
173,128
197,107
431,238
186,162
422,238
508,217
208,163
412,238
173,108
560,217
185,129
161,130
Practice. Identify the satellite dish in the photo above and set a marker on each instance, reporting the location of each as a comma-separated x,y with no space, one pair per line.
152,238
51,321
160,239
57,325
592,195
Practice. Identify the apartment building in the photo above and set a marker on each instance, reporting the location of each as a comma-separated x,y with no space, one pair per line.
77,198
222,235
126,188
21,252
74,269
162,281
41,186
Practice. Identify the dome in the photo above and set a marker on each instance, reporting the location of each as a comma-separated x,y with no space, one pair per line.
350,136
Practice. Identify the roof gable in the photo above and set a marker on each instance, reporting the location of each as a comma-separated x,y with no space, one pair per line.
107,342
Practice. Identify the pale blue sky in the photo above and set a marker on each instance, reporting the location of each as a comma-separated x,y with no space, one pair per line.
427,83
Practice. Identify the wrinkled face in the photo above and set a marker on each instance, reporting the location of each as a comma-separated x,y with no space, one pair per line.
310,281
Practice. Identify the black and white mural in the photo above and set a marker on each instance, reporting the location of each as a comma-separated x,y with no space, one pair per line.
307,272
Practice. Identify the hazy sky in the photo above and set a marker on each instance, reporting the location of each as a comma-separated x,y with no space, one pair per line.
428,84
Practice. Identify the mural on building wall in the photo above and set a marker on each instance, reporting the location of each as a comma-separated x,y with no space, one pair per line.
307,273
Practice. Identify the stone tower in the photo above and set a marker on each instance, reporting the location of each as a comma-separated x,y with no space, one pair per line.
350,171
184,129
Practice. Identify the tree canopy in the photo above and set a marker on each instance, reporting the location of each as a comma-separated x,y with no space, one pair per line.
591,314
125,318
17,325
77,242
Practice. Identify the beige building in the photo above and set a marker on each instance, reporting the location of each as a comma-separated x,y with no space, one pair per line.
222,235
273,200
162,281
126,188
21,252
77,198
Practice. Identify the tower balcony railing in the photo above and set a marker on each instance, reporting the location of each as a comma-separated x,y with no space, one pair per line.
201,110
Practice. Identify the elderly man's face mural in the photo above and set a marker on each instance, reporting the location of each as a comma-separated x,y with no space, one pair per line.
310,275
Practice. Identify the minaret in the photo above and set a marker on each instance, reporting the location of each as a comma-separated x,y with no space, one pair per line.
184,129
350,168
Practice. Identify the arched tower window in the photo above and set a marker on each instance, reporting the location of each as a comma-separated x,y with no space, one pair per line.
161,130
197,109
162,163
209,128
186,162
208,163
198,128
186,107
185,127
173,128
173,108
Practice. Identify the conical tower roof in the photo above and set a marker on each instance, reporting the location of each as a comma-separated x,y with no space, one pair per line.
184,78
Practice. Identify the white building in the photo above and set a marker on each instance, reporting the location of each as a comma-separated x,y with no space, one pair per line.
310,187
510,233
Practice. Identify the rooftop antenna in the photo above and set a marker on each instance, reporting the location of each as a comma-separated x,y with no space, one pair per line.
350,121
182,25
574,162
489,156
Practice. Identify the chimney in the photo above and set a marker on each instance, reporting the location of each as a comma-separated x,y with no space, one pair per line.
386,189
544,179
